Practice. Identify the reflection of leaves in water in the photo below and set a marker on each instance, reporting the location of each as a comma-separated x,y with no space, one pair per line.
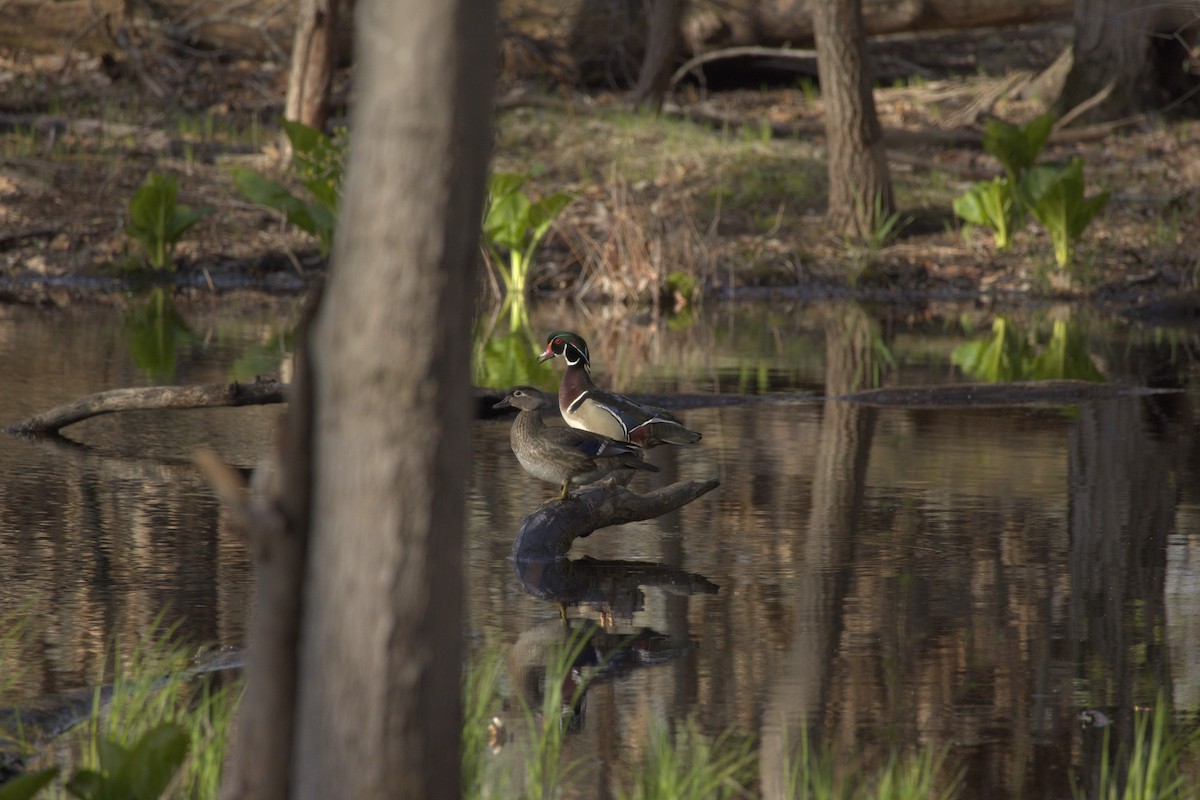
510,359
1008,355
261,360
156,332
1065,357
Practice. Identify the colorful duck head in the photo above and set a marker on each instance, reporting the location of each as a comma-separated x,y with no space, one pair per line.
570,346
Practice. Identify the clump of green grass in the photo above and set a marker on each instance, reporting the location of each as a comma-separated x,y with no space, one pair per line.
154,685
1151,768
690,766
812,773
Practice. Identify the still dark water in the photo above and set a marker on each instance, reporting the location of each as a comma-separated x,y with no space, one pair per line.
965,578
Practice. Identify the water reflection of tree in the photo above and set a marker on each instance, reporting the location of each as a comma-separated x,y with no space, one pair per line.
799,695
1125,458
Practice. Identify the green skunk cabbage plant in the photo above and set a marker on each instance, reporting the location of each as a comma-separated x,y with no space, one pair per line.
1055,196
157,221
514,226
992,204
318,162
140,772
1017,147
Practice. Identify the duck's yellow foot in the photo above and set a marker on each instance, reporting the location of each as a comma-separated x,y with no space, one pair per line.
563,495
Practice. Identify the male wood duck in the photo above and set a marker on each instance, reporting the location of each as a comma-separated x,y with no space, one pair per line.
563,455
588,408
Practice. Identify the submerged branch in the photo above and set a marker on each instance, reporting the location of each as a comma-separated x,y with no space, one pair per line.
212,395
548,532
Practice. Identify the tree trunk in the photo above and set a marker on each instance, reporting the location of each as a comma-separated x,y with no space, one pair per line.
377,702
1131,51
662,47
311,73
860,189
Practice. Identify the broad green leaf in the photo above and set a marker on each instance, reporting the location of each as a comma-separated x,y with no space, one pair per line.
312,218
1017,148
23,787
1035,182
154,760
969,206
184,218
992,204
113,756
319,162
514,223
1061,208
87,784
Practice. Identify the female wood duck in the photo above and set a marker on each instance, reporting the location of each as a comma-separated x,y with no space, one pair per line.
588,408
563,455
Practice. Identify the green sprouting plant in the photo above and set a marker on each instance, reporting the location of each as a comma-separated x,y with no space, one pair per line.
319,163
23,787
139,772
158,221
515,225
1055,196
992,204
1017,147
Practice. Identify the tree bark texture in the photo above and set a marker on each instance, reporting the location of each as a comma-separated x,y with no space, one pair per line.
1134,51
378,687
662,48
860,188
313,57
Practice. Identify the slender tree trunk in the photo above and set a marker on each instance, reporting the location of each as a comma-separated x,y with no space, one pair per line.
311,75
662,46
1133,52
378,689
860,188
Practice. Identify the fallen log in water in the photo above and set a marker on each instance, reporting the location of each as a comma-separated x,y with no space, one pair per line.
981,395
211,395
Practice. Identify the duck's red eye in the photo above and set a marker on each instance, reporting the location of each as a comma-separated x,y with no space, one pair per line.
558,340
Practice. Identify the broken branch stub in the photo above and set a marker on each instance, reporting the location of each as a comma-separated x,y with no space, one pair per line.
548,532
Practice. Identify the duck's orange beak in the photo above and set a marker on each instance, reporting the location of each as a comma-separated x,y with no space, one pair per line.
547,354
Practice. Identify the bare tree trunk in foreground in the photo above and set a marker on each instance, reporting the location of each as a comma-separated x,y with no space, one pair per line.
378,692
376,680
